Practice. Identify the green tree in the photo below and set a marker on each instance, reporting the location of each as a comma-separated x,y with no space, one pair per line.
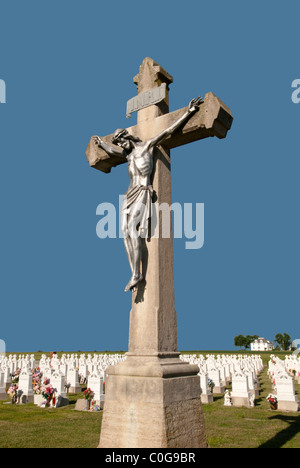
239,341
249,339
284,341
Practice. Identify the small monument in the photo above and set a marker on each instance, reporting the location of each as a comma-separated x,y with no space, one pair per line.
227,398
25,385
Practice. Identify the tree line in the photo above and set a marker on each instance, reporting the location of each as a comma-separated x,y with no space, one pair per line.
284,341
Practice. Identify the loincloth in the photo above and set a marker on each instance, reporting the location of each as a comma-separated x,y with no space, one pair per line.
139,197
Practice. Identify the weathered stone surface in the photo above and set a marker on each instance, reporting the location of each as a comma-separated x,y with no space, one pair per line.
152,412
293,406
82,405
213,119
208,398
240,401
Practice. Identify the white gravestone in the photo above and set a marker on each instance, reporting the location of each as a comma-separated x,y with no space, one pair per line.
214,375
7,377
3,394
25,385
287,400
95,383
73,381
58,384
241,395
206,395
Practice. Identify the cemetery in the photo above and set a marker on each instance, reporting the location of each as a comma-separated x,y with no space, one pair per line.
259,392
149,206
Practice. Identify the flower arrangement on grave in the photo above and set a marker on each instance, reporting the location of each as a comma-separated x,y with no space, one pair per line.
211,384
272,399
13,393
37,389
94,407
46,382
88,394
16,376
36,380
37,374
47,393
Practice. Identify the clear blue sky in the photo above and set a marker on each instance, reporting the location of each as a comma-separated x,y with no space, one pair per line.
68,67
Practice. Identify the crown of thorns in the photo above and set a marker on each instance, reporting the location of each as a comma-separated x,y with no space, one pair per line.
118,134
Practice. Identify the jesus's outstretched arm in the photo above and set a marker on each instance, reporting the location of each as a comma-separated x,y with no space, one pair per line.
192,108
109,149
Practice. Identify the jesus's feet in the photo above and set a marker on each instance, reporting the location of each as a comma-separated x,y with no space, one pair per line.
133,283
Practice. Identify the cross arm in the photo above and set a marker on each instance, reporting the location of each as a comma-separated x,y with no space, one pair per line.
105,155
212,119
168,132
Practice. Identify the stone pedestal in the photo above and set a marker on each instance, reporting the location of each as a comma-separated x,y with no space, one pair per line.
153,403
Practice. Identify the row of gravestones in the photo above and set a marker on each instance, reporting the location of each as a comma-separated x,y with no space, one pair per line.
292,365
65,375
217,372
283,375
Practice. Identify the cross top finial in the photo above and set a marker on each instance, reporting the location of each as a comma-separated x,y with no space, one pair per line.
151,75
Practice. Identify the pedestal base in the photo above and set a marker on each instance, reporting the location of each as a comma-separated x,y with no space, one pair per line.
153,405
62,401
25,399
208,398
75,389
240,401
292,406
219,390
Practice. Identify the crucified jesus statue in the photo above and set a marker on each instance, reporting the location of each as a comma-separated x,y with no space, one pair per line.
136,209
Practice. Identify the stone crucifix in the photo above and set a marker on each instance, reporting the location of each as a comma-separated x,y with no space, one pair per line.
153,369
136,209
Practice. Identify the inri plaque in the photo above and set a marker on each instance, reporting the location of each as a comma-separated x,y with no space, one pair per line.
146,99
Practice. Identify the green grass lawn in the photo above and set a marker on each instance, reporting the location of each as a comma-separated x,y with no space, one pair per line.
226,427
259,427
28,426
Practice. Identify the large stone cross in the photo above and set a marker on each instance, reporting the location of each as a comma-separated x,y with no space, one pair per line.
151,394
